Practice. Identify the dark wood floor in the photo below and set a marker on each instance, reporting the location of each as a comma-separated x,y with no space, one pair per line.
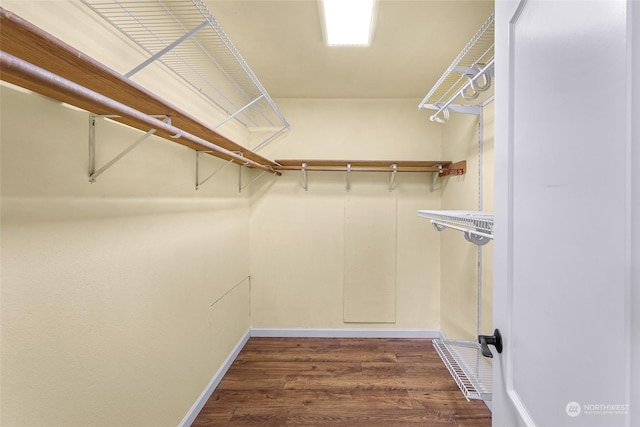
340,382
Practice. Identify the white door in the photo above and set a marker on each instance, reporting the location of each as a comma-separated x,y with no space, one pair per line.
565,255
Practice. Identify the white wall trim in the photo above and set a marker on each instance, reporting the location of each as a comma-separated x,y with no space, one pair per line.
344,333
190,417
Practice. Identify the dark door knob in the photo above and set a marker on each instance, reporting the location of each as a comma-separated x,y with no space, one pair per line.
494,340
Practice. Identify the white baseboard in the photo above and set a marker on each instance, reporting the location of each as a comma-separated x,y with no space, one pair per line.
210,388
344,333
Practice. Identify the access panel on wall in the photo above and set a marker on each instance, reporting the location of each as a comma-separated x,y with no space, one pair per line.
370,260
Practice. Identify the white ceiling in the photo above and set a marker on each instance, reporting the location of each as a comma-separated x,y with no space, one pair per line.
413,42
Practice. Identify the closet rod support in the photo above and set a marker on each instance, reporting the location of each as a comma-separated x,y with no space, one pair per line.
392,176
93,173
434,178
348,177
242,187
305,177
201,183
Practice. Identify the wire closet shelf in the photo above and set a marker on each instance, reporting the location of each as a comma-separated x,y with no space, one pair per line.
470,370
476,225
467,79
185,37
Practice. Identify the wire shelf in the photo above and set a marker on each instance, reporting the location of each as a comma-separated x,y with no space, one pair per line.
477,55
185,37
471,371
477,225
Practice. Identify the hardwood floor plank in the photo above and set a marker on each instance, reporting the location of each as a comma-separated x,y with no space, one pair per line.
340,382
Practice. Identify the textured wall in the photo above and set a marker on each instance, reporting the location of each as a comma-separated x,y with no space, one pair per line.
298,237
122,298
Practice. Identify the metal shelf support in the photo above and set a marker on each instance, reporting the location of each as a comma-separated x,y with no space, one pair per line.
93,173
201,183
392,176
305,177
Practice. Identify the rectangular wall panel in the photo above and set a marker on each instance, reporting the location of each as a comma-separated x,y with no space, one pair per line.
370,260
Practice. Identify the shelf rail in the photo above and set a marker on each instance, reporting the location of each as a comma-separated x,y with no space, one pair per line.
185,37
462,78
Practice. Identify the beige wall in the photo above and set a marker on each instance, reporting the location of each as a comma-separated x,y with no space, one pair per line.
298,237
122,298
459,258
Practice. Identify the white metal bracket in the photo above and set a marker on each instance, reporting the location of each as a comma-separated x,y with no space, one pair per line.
93,173
434,178
348,177
305,177
392,176
240,186
200,183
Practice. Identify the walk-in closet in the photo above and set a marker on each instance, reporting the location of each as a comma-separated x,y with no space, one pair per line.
216,212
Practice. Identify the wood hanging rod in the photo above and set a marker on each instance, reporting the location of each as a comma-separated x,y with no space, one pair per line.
443,168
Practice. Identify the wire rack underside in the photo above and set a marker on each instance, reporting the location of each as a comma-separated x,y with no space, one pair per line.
185,37
470,370
475,220
478,52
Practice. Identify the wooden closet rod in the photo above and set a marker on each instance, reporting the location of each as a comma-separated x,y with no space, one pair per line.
27,75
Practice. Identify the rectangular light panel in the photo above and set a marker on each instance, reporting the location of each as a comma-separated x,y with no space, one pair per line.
348,22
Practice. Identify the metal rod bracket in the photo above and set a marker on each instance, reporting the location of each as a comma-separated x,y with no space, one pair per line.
305,177
200,183
93,173
392,176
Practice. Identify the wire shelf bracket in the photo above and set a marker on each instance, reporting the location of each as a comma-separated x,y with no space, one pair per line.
470,74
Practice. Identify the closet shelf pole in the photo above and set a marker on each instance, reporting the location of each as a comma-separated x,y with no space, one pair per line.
16,70
471,81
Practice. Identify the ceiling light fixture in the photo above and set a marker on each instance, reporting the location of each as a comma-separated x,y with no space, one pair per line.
348,22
